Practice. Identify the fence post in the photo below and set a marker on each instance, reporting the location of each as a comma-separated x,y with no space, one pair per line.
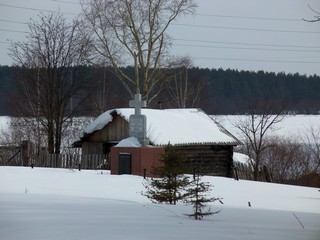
267,173
236,173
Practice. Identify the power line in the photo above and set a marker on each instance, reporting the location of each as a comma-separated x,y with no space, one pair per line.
218,15
77,3
244,48
245,29
245,44
246,17
10,21
2,42
190,25
197,14
15,31
256,60
234,43
34,9
205,41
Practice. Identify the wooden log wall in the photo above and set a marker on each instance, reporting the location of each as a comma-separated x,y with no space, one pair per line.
116,130
209,160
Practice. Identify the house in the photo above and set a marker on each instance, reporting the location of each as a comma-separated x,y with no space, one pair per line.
208,147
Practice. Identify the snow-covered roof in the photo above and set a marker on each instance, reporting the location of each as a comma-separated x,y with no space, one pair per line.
129,142
175,126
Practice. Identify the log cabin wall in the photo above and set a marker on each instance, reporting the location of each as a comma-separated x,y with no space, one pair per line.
209,160
116,130
92,148
111,134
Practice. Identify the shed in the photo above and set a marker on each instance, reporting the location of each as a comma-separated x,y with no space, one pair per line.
208,147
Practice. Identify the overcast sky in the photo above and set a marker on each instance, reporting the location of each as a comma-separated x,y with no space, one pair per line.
267,35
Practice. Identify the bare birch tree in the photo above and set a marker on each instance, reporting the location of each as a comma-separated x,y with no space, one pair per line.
180,89
50,75
133,32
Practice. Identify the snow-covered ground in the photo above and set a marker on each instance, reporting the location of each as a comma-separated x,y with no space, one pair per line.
67,204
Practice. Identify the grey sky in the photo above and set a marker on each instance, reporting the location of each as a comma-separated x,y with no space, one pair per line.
253,35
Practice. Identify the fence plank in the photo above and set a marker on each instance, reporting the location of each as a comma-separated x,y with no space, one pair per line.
245,172
87,161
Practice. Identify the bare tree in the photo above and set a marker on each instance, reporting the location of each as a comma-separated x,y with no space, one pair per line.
102,91
50,73
287,159
133,32
181,90
316,17
313,144
254,128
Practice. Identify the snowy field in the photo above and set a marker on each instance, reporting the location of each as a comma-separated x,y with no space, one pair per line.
4,123
67,204
295,126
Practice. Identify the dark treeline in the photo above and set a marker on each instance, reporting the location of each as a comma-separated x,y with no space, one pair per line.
224,91
231,91
7,88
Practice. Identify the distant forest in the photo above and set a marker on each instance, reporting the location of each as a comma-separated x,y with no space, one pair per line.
223,92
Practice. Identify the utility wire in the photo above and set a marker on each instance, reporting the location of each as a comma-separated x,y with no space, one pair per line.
245,29
256,60
245,44
207,26
244,48
193,25
34,9
10,21
246,17
77,3
15,31
219,15
196,14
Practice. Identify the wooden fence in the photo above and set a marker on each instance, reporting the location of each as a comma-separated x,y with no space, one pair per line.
245,172
84,161
102,161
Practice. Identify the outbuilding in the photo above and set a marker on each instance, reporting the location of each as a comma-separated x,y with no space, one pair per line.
207,146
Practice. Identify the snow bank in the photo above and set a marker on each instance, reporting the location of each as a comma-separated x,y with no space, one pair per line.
100,184
40,203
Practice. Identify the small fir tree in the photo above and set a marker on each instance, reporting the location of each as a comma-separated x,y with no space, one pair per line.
170,183
198,198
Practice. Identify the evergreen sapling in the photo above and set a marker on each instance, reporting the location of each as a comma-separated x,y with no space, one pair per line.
198,197
170,184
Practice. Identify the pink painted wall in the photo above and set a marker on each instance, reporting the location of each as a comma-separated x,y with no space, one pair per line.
141,158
